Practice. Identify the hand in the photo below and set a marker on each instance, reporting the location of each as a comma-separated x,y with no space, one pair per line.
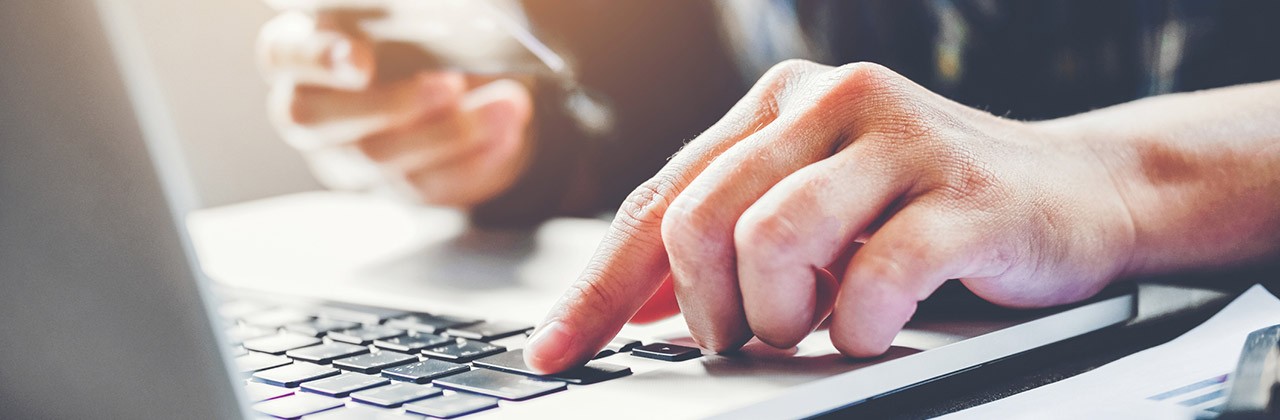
815,160
445,138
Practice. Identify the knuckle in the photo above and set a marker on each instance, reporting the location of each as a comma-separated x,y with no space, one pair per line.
787,70
887,277
645,207
764,102
692,224
593,295
867,75
880,271
865,82
869,72
784,78
765,236
855,92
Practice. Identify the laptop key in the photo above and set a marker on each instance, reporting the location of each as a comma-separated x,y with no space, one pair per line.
412,342
319,327
618,345
342,385
365,335
280,343
325,353
450,406
489,330
291,376
254,362
297,405
592,372
430,323
667,352
622,345
396,394
463,350
362,412
374,362
357,313
424,371
513,342
257,391
498,384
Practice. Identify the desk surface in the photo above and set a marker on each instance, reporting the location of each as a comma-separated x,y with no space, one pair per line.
370,249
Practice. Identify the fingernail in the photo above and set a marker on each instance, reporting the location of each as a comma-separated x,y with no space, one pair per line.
551,344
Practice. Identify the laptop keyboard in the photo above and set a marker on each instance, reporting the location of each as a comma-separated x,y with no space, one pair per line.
347,361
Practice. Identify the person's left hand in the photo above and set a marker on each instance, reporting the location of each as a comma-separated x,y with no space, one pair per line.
438,137
816,159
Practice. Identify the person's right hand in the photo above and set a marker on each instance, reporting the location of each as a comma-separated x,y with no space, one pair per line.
745,222
445,138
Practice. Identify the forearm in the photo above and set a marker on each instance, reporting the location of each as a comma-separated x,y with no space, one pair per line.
1199,173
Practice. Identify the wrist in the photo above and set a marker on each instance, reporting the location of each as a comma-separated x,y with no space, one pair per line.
1195,201
1100,202
1110,152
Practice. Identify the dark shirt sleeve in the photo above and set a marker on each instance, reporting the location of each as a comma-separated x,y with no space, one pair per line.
661,68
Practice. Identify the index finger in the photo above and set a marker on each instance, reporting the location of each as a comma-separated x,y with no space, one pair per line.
631,262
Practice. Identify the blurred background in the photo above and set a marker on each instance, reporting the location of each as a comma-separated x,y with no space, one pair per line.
670,68
202,55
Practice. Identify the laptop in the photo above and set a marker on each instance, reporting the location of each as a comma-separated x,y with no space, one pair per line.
105,313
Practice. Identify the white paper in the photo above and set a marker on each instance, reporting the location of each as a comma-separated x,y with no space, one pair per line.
1179,379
